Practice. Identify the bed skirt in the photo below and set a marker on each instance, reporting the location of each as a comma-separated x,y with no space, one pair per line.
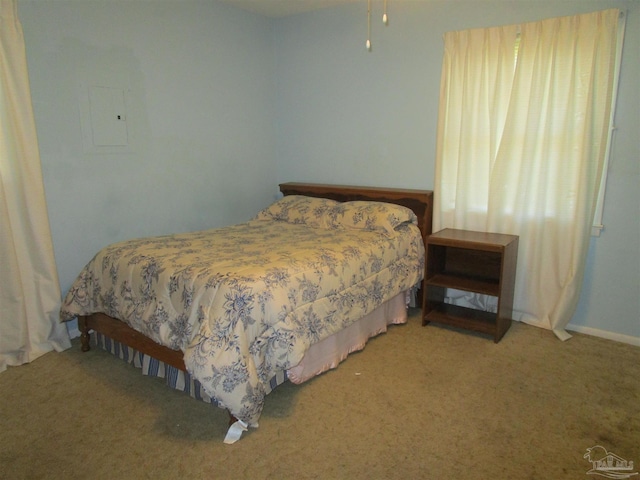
328,353
320,357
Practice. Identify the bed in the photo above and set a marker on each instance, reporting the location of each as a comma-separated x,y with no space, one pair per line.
233,333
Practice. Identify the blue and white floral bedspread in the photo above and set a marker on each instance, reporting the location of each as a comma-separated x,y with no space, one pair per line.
245,302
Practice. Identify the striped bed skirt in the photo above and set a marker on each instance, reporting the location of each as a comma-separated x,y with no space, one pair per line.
173,377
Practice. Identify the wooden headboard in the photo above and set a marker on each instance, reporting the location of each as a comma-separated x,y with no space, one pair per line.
420,201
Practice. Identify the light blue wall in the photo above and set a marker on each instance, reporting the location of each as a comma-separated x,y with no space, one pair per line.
201,113
227,104
352,116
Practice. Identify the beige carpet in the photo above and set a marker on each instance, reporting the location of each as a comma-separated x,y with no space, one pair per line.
417,403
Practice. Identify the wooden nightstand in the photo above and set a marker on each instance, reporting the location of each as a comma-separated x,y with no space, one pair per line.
475,262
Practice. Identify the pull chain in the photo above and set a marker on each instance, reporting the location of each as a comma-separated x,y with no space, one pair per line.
368,44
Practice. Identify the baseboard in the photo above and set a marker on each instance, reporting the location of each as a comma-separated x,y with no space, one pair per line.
596,332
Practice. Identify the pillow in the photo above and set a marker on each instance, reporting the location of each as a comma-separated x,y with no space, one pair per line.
300,209
372,216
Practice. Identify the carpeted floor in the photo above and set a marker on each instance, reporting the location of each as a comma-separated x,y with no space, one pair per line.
417,403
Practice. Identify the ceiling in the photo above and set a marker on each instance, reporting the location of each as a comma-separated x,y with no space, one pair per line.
283,8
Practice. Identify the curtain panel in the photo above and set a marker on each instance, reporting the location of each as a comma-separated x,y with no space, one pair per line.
522,132
29,288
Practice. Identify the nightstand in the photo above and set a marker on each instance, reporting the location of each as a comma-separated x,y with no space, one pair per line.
474,262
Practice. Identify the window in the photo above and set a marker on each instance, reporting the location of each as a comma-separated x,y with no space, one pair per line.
523,136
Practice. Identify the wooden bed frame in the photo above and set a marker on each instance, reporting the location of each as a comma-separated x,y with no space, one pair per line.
420,201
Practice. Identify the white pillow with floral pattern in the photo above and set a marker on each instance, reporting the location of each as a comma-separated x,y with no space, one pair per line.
372,216
300,209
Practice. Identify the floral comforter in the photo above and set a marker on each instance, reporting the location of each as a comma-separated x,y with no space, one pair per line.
246,301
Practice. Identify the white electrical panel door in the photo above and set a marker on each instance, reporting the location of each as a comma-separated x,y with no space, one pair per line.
108,116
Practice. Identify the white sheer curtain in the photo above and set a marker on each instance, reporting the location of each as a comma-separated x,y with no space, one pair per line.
29,288
522,132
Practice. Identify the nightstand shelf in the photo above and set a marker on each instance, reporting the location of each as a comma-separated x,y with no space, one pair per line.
469,284
463,317
476,262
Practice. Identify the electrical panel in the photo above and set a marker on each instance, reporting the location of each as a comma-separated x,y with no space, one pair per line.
108,116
